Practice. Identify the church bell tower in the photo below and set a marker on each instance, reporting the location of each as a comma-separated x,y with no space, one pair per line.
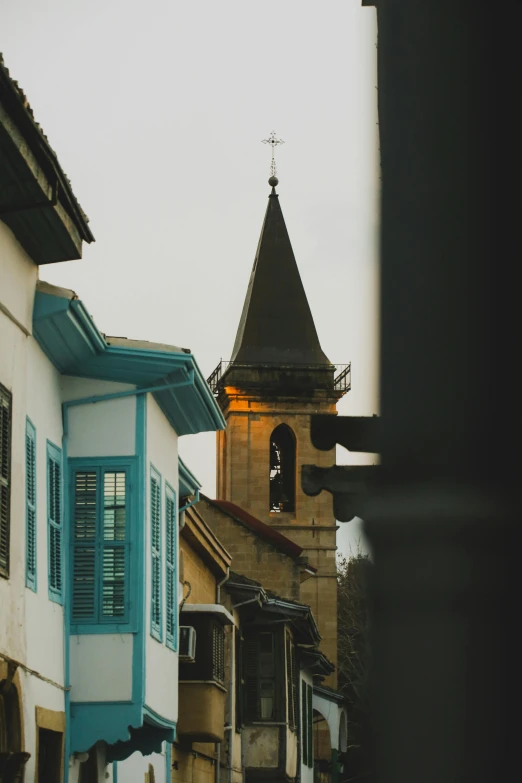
277,377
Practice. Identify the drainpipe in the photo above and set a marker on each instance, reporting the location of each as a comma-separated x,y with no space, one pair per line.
218,597
67,593
220,585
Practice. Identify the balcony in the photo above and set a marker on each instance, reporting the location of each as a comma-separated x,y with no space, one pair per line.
332,378
201,711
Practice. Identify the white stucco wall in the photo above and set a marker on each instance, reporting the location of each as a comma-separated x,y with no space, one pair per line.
161,690
18,275
44,618
101,667
133,769
102,429
31,624
331,712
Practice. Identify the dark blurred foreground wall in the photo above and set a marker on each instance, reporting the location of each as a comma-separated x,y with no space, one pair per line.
444,524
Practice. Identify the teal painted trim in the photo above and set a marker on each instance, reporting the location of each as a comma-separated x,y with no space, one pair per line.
66,607
98,623
67,334
109,722
171,569
168,762
56,594
156,558
133,392
114,772
154,719
138,652
31,506
192,503
188,483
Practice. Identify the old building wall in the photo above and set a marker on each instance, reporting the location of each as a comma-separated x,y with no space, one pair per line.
243,478
253,557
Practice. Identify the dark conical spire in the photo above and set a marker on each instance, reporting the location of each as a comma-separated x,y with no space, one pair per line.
276,325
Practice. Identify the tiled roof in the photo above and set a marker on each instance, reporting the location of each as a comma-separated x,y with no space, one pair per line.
24,111
261,529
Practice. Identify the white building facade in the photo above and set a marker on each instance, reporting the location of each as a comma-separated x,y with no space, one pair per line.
88,499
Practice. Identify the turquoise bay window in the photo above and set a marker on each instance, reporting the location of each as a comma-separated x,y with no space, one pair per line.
171,609
30,504
155,544
101,527
54,522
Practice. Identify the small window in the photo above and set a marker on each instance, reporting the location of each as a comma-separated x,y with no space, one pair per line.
54,522
171,608
209,664
30,504
5,478
155,542
50,748
218,653
282,469
263,677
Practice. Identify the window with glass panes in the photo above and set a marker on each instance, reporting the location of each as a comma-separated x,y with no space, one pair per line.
100,541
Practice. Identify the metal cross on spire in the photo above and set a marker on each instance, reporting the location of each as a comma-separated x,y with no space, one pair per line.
274,142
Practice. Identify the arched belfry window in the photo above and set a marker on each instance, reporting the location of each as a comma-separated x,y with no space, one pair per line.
282,469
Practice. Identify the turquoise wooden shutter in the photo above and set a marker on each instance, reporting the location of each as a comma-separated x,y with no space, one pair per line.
5,478
30,504
171,536
114,546
155,520
84,577
54,520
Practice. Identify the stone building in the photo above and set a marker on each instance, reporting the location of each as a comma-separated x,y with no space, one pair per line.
277,378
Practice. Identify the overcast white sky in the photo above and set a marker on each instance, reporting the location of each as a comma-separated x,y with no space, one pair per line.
157,110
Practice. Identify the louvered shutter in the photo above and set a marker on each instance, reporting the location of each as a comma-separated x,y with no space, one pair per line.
5,478
171,536
310,726
30,501
114,546
155,518
304,723
54,518
218,653
251,675
84,587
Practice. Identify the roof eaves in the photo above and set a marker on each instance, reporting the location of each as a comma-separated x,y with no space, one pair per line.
19,107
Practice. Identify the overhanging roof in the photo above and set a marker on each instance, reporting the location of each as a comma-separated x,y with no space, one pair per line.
188,483
37,201
216,610
69,337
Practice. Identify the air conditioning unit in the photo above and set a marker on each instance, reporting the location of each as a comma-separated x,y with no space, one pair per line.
187,643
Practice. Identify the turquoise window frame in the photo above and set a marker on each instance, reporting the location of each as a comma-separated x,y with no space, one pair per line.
31,528
130,621
55,523
156,575
171,568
